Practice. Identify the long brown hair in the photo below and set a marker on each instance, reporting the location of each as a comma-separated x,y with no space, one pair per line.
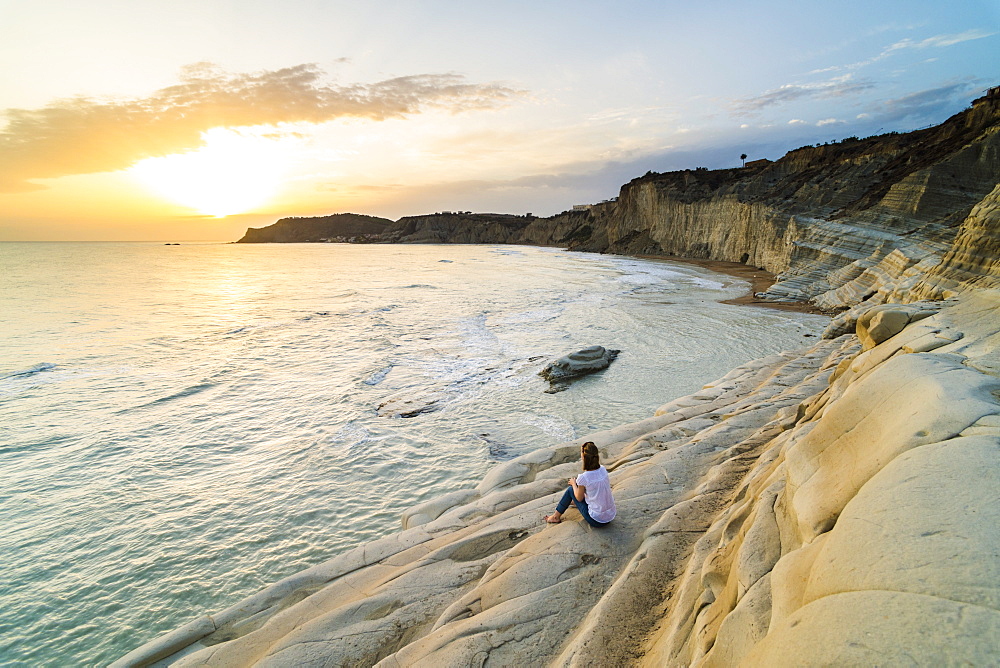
591,457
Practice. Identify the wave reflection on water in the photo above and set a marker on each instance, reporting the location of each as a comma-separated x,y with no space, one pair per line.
183,425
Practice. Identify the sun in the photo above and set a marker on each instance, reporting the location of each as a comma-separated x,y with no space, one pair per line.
234,172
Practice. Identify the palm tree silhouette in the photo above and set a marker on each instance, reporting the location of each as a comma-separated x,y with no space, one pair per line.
743,157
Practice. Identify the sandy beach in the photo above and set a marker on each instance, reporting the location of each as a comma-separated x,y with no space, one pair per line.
760,280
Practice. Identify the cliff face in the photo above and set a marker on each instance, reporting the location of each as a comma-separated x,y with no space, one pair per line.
458,228
817,211
974,257
922,270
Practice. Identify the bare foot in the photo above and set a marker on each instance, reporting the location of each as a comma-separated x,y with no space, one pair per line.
553,519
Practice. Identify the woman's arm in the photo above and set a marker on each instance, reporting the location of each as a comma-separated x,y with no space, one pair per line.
578,490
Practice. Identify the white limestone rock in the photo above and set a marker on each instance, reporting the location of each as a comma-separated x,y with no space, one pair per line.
883,414
943,550
881,628
430,510
881,323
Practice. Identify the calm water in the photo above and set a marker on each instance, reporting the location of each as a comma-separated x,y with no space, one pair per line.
182,425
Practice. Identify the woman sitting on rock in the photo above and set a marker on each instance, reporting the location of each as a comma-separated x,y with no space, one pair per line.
590,491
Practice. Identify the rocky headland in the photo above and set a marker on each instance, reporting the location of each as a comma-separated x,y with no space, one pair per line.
339,227
829,506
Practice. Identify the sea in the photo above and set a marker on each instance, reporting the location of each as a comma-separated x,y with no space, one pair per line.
183,425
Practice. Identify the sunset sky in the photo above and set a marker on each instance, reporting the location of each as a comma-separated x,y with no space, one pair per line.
195,119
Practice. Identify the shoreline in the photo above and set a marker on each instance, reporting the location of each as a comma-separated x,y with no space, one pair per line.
760,280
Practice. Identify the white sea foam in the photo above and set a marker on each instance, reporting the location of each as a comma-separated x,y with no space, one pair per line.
707,284
351,434
378,376
558,428
30,371
650,277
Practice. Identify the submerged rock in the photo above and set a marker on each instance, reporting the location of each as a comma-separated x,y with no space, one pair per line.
407,407
572,366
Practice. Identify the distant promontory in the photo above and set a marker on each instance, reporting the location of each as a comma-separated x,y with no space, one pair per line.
343,227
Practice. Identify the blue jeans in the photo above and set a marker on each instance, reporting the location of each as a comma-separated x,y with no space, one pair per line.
569,497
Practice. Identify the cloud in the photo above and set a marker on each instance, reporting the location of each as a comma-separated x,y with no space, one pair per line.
627,113
938,41
929,104
837,87
546,193
84,135
926,106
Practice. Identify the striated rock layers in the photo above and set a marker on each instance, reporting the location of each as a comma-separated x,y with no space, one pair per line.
835,222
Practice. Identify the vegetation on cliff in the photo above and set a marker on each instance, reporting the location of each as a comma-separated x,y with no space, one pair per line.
344,227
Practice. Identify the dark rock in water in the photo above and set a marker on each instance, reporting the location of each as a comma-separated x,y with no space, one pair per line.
407,408
574,365
498,451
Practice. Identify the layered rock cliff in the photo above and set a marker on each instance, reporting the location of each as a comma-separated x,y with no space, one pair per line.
829,506
820,217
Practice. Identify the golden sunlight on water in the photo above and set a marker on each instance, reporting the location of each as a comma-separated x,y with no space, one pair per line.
233,173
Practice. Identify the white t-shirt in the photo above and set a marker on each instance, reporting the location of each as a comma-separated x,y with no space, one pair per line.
600,503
